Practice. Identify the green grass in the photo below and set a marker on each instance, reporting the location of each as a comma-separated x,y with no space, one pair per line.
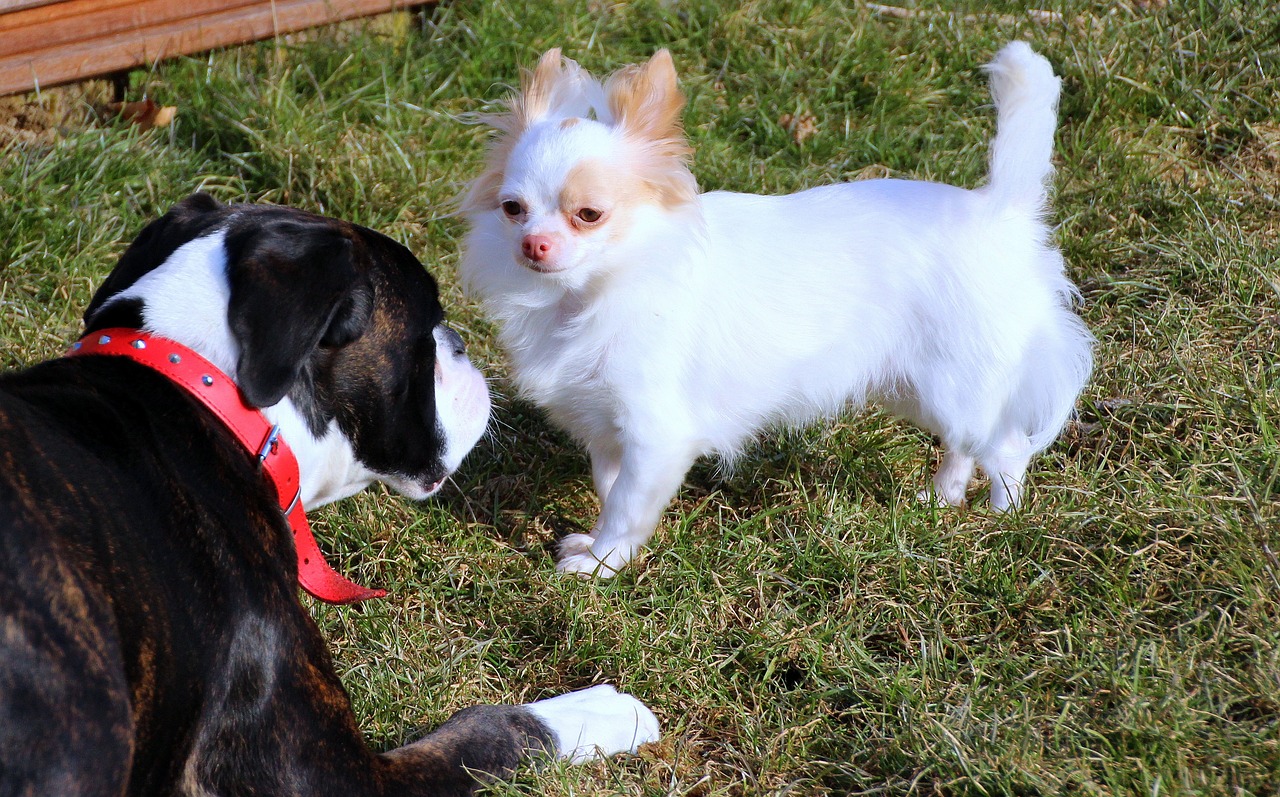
800,626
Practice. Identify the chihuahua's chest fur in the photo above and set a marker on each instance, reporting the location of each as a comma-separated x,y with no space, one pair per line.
562,359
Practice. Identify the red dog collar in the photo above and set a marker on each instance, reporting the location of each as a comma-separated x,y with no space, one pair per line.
215,390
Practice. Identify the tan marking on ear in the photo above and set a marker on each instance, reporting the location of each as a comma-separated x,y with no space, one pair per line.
570,122
534,100
646,102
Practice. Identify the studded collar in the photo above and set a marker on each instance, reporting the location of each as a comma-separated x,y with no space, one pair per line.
259,437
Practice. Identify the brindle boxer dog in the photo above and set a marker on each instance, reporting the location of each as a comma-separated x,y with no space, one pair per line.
151,637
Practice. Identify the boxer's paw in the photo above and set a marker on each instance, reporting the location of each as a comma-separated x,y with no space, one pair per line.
596,722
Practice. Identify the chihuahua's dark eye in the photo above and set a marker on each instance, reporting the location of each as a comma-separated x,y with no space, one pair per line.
589,215
512,208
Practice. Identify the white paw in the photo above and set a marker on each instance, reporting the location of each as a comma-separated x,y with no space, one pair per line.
936,499
585,564
577,556
575,544
596,722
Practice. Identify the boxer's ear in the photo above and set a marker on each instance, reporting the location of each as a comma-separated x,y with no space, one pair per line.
294,288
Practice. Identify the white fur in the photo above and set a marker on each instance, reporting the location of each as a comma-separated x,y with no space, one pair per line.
596,722
185,299
462,400
669,333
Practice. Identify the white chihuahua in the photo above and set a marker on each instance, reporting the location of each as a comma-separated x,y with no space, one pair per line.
657,324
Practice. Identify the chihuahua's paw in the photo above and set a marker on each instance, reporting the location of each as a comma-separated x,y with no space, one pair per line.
577,555
587,566
596,722
575,545
932,497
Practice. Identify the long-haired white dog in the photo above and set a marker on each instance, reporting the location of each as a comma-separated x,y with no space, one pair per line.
657,324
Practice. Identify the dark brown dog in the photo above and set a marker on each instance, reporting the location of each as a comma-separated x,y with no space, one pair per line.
151,637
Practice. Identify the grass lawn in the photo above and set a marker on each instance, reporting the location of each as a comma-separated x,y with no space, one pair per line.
800,625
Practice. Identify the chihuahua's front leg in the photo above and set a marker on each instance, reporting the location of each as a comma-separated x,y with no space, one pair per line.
647,480
606,463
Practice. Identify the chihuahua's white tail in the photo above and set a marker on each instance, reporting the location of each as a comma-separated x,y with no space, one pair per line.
1026,92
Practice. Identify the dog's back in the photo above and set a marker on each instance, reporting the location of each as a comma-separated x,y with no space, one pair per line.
62,686
102,532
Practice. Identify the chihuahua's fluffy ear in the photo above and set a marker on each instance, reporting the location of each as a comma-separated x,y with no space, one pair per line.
556,86
645,102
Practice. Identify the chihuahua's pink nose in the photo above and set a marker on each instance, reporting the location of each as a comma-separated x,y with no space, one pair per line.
536,247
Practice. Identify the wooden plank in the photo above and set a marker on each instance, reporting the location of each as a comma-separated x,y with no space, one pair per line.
79,21
58,10
17,5
197,29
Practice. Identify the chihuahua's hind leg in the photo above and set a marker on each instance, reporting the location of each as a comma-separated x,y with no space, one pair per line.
1006,466
951,480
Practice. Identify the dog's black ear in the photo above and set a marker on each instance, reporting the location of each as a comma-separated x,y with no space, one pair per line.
295,287
185,221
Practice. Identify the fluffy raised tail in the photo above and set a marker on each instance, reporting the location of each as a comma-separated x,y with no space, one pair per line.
1026,92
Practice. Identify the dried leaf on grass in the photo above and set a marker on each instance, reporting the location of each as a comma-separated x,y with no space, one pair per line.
801,126
143,113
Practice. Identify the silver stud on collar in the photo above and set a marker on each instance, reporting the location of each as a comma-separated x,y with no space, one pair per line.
104,340
175,359
76,346
206,380
139,344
